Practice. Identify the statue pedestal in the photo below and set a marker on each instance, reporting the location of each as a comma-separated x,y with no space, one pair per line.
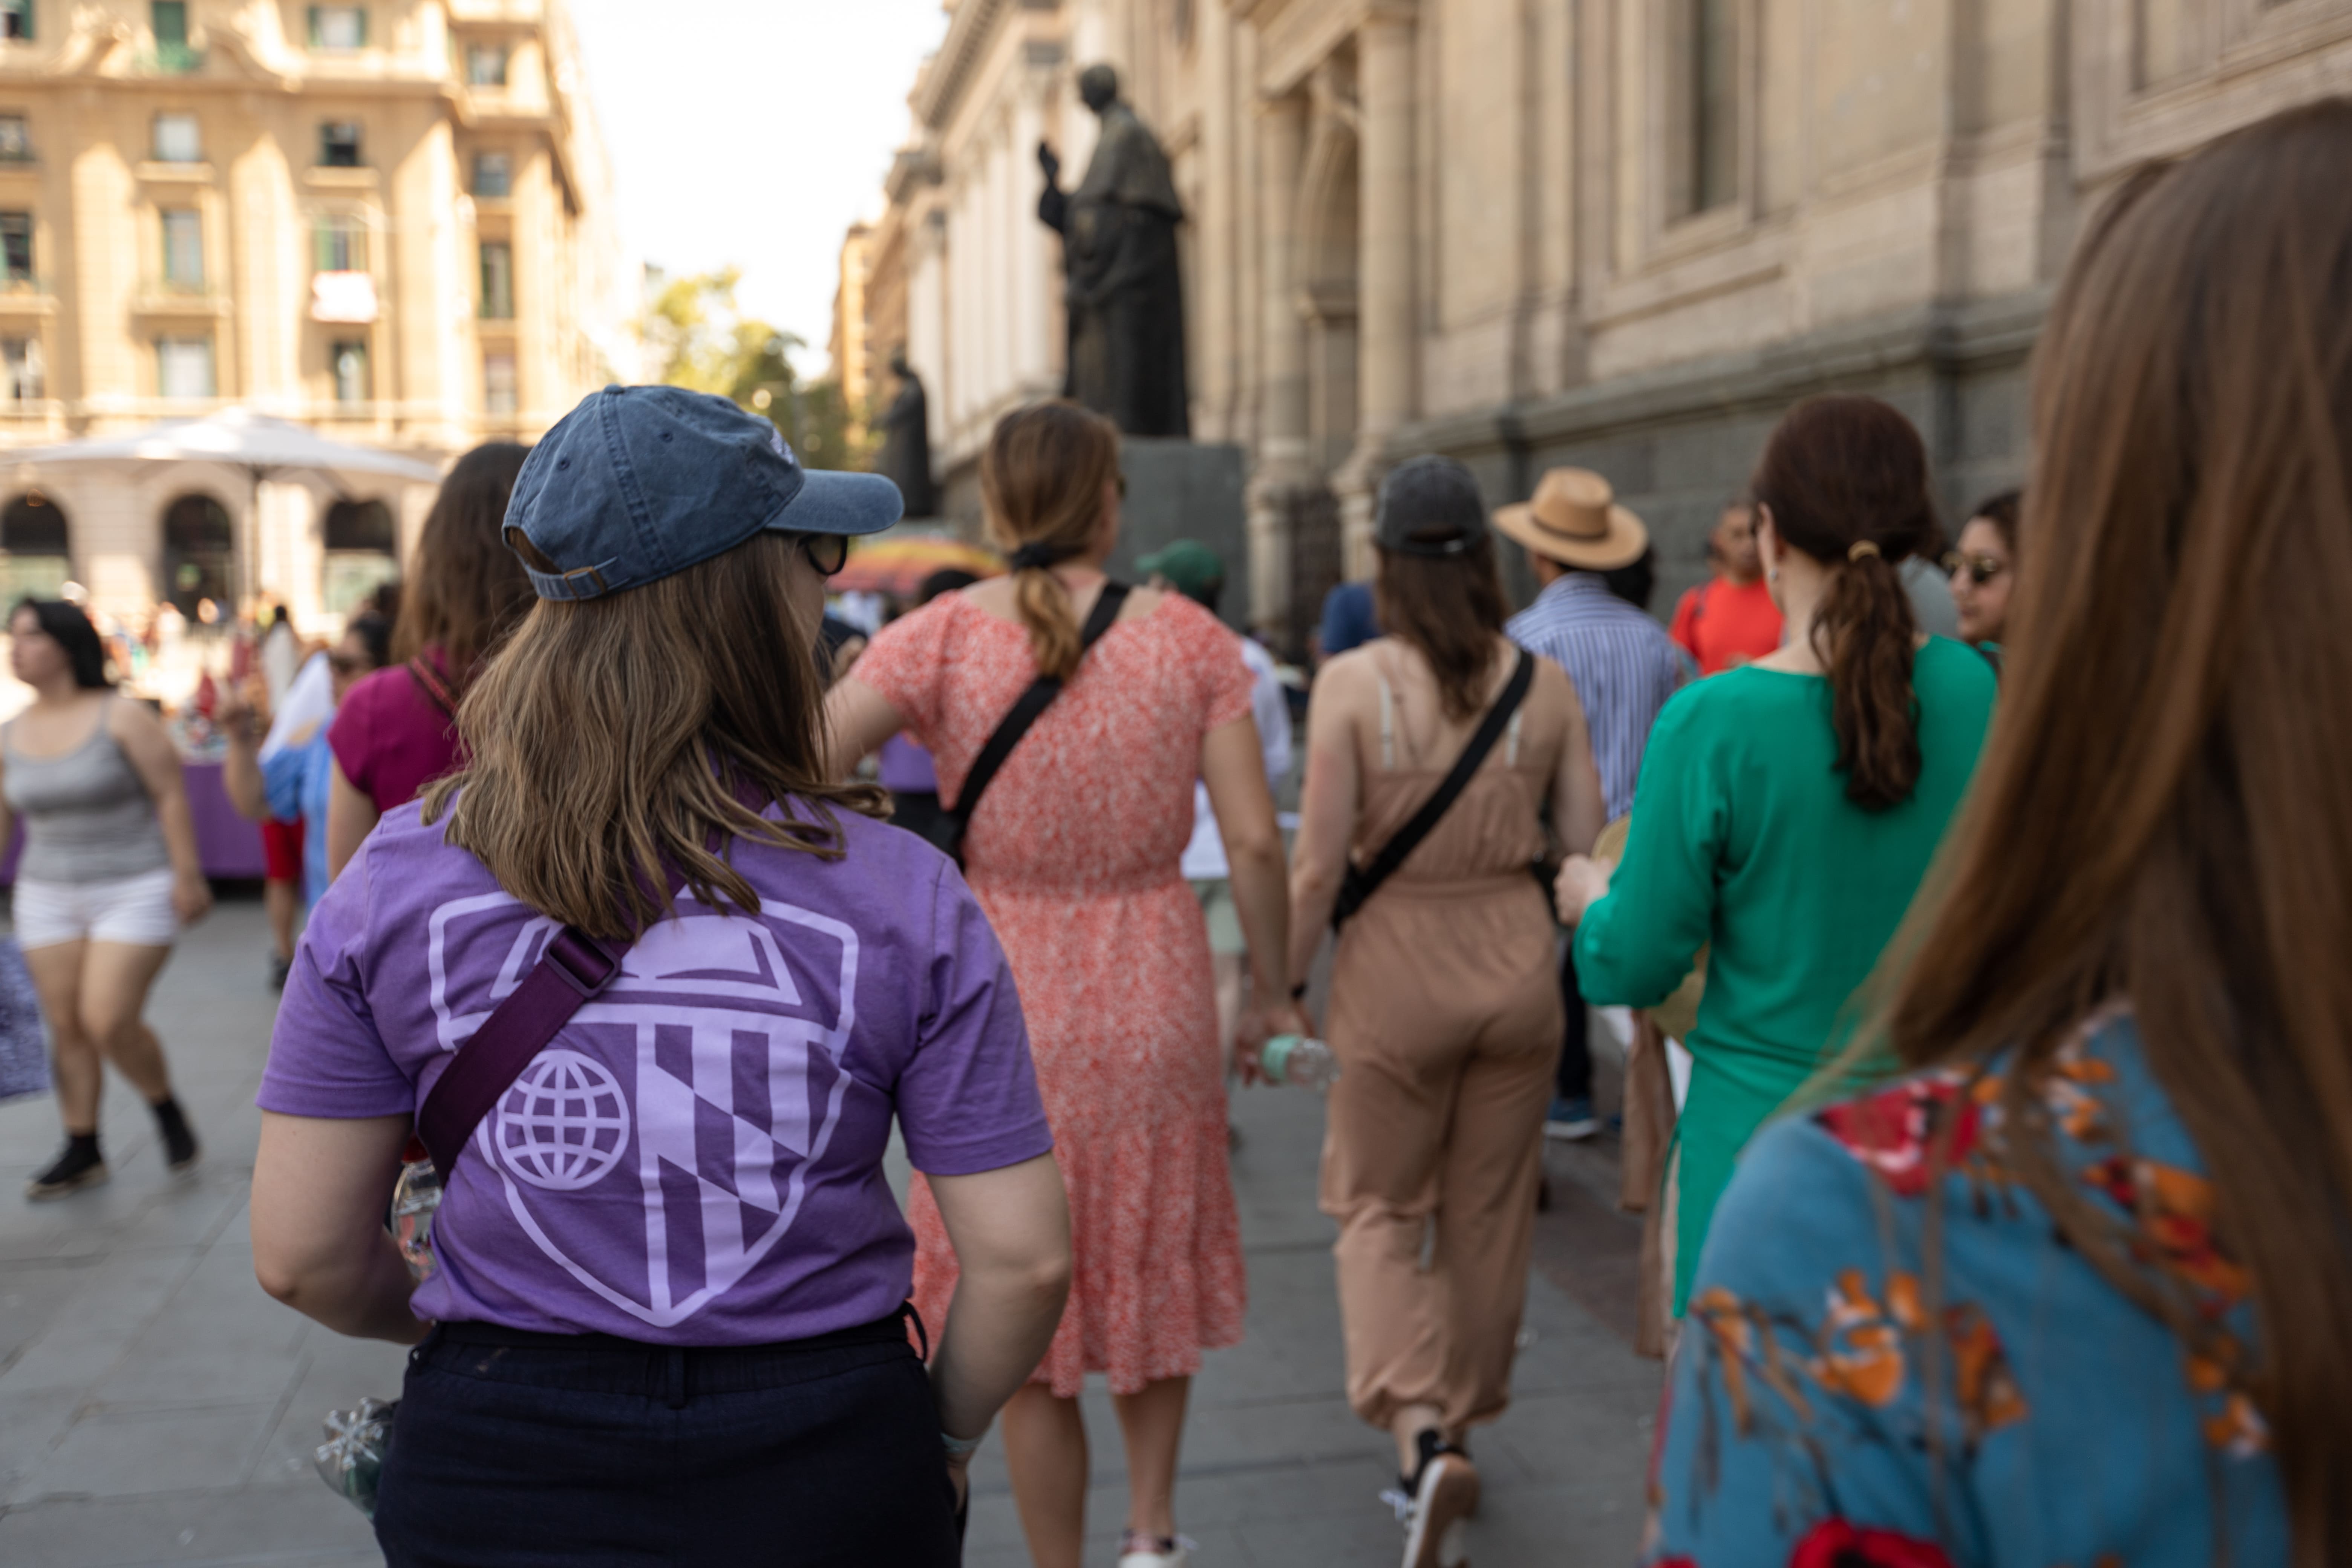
1183,490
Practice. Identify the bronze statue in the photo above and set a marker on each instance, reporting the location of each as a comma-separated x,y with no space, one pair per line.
905,459
1125,292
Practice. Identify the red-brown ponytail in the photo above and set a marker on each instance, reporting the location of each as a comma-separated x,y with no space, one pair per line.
1846,480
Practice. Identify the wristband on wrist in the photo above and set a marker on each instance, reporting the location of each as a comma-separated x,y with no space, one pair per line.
957,1448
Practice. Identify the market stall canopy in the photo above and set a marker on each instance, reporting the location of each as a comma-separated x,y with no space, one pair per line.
263,448
897,565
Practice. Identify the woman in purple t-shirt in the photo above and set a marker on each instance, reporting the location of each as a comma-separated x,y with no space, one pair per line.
396,731
667,1320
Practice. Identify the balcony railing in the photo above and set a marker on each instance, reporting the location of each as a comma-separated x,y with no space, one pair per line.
169,59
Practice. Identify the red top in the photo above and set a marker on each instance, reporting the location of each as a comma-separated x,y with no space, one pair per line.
1724,625
392,739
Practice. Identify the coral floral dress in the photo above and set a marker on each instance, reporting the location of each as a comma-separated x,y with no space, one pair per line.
1075,854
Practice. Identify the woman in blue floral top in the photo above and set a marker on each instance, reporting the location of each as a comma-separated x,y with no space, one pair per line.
2077,1292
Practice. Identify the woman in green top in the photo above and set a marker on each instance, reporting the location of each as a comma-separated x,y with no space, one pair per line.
1788,809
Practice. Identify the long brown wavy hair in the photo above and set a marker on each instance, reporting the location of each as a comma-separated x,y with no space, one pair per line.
2160,813
1040,481
466,590
1847,479
1449,609
610,738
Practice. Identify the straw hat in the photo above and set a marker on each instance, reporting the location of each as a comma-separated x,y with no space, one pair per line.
1575,519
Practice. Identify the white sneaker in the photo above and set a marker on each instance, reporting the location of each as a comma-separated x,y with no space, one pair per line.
1434,1505
1143,1552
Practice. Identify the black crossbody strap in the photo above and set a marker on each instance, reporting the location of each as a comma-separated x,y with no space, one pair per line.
1034,703
1362,881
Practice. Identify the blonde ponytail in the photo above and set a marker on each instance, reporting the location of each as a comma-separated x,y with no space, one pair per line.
1041,479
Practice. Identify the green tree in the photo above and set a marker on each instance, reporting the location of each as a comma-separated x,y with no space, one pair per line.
703,341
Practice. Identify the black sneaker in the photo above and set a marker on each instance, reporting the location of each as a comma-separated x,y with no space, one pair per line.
180,1149
81,1165
1433,1501
279,968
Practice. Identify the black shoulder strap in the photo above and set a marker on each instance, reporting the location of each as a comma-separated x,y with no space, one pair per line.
1362,881
1034,703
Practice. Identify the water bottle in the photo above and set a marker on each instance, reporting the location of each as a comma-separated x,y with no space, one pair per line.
1290,1058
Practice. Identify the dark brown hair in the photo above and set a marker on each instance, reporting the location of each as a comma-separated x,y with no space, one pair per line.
465,589
1846,480
2000,511
607,736
2159,814
1450,609
1041,479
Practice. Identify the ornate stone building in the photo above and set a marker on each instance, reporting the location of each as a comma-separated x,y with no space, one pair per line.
1620,232
389,221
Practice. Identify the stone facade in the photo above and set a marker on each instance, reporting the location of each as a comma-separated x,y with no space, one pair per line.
389,221
1620,232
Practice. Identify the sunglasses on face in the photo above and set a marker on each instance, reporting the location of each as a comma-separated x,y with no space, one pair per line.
1982,569
829,553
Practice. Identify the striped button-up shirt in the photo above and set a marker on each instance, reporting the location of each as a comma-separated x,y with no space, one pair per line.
1622,663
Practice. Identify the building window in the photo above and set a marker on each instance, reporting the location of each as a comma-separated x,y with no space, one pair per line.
498,281
1711,117
499,388
16,19
36,539
16,248
15,140
199,554
338,145
486,65
22,370
178,140
493,176
340,245
350,360
361,554
183,367
184,249
168,19
339,26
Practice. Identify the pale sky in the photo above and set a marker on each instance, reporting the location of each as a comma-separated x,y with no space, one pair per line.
755,132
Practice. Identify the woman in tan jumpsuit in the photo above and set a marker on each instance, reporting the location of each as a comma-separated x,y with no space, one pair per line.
1445,1011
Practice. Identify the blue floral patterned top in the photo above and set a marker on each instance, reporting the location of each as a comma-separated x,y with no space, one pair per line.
2070,1428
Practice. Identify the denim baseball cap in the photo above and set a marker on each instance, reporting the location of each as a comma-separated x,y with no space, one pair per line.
642,481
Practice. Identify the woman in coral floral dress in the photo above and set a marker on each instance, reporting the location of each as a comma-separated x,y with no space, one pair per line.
1075,852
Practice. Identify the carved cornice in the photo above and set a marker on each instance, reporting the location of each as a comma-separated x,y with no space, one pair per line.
1296,36
939,91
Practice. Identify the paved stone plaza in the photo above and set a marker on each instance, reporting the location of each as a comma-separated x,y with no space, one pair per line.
156,1408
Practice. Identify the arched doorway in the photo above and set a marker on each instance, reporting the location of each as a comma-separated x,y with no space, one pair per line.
199,555
363,555
37,544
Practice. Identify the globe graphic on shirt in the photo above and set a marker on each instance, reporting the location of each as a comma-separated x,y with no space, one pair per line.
564,1123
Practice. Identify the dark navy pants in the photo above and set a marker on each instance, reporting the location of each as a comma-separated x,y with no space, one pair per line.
515,1449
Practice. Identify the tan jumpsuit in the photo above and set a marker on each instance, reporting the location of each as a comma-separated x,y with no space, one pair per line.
1445,1015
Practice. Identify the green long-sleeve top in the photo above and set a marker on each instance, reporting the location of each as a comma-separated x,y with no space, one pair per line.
1743,838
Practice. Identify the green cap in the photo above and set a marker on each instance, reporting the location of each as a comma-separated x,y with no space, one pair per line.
1191,567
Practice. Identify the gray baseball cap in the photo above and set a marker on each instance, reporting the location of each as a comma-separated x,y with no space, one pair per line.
1429,506
639,482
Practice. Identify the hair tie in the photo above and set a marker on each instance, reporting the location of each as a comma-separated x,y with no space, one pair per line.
1039,556
1864,548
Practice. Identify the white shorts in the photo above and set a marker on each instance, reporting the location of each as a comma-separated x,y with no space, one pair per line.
134,911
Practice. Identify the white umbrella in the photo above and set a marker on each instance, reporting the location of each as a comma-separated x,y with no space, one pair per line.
255,444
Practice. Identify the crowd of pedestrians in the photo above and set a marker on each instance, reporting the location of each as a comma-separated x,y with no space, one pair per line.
2003,1220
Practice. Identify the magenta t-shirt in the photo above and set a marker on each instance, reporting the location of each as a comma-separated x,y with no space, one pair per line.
697,1157
391,739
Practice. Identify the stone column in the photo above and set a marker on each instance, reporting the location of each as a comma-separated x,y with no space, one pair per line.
1385,86
1282,464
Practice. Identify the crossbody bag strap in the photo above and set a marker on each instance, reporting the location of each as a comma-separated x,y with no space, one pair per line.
1025,713
436,691
1362,881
